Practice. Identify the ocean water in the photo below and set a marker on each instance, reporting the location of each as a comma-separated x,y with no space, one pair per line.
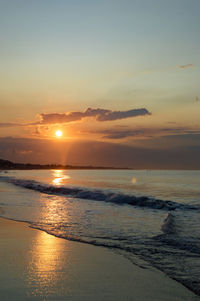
154,215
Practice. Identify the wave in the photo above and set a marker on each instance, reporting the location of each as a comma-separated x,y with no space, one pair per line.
171,236
169,226
180,263
98,195
165,253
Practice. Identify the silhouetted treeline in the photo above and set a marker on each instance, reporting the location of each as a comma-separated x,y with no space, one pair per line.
5,164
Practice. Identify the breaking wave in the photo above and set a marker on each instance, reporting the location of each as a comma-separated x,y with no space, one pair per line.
165,252
171,236
98,195
169,226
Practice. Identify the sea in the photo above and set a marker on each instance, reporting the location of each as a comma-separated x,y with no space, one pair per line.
151,217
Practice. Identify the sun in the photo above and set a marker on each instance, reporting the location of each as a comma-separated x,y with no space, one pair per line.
59,133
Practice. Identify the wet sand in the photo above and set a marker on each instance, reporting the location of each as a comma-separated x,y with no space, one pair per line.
39,266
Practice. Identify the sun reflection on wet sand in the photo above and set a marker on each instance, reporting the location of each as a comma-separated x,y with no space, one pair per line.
59,177
45,258
46,263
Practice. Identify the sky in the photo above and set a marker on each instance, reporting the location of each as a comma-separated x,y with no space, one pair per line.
120,79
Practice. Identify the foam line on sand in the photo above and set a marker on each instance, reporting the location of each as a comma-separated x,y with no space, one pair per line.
39,266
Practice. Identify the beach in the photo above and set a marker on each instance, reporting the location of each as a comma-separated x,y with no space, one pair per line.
39,266
99,150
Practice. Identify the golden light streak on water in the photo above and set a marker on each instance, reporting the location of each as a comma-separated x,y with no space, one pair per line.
59,177
46,255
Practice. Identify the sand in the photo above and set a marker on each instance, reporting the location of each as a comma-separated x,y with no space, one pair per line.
38,266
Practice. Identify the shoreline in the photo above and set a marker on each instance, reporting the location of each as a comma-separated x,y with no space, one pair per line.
52,267
141,263
99,168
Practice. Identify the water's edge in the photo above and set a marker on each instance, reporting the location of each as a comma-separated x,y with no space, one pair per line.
120,251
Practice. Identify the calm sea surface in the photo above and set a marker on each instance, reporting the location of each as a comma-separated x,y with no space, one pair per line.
154,215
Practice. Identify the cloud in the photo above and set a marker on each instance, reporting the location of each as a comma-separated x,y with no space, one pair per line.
115,115
120,133
25,152
98,114
101,153
4,125
186,66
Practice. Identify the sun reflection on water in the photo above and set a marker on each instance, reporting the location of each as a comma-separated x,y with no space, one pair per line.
59,177
134,180
46,264
44,271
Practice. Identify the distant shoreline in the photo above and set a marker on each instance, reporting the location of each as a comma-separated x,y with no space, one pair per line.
9,165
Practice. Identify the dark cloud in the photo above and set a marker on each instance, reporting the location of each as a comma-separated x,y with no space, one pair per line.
115,115
99,154
98,114
120,133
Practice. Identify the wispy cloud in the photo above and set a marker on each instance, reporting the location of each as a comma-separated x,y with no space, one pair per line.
6,125
117,133
98,114
186,66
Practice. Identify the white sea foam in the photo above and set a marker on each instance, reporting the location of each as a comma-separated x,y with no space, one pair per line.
98,195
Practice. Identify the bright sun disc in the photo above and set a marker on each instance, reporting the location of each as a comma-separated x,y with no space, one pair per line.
59,133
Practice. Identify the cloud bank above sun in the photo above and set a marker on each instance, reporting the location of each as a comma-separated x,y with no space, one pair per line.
98,114
102,124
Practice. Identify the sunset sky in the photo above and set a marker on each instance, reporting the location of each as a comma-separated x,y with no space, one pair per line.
120,79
